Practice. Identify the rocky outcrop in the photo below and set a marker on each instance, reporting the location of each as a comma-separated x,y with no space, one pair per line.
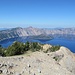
39,63
30,31
65,58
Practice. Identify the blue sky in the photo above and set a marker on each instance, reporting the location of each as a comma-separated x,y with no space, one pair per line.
37,13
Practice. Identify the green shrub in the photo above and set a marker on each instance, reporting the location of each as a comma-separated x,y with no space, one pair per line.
35,46
52,49
15,49
27,46
18,48
2,50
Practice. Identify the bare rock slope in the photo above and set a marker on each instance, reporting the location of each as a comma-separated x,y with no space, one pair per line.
39,63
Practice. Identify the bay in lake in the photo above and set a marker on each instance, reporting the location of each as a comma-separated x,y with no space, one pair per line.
56,41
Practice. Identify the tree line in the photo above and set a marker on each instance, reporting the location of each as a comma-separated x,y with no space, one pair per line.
18,48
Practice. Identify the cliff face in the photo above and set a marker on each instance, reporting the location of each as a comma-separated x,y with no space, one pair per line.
18,32
30,31
39,63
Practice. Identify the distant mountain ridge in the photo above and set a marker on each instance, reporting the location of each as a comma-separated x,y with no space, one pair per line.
3,29
30,31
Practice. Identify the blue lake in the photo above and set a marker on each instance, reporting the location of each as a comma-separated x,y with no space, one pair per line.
63,42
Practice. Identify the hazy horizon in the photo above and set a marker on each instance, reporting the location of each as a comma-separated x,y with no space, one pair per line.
33,27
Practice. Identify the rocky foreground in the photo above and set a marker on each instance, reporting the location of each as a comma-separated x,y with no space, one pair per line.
61,62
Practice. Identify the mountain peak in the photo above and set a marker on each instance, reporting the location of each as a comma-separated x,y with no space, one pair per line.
30,27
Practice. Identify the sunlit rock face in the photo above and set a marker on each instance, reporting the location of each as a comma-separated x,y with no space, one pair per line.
30,31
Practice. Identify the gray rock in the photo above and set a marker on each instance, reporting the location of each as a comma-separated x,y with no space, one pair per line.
1,71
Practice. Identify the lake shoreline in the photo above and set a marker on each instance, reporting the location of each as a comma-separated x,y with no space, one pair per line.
55,41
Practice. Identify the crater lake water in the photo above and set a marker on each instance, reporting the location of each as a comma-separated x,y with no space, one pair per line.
70,44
